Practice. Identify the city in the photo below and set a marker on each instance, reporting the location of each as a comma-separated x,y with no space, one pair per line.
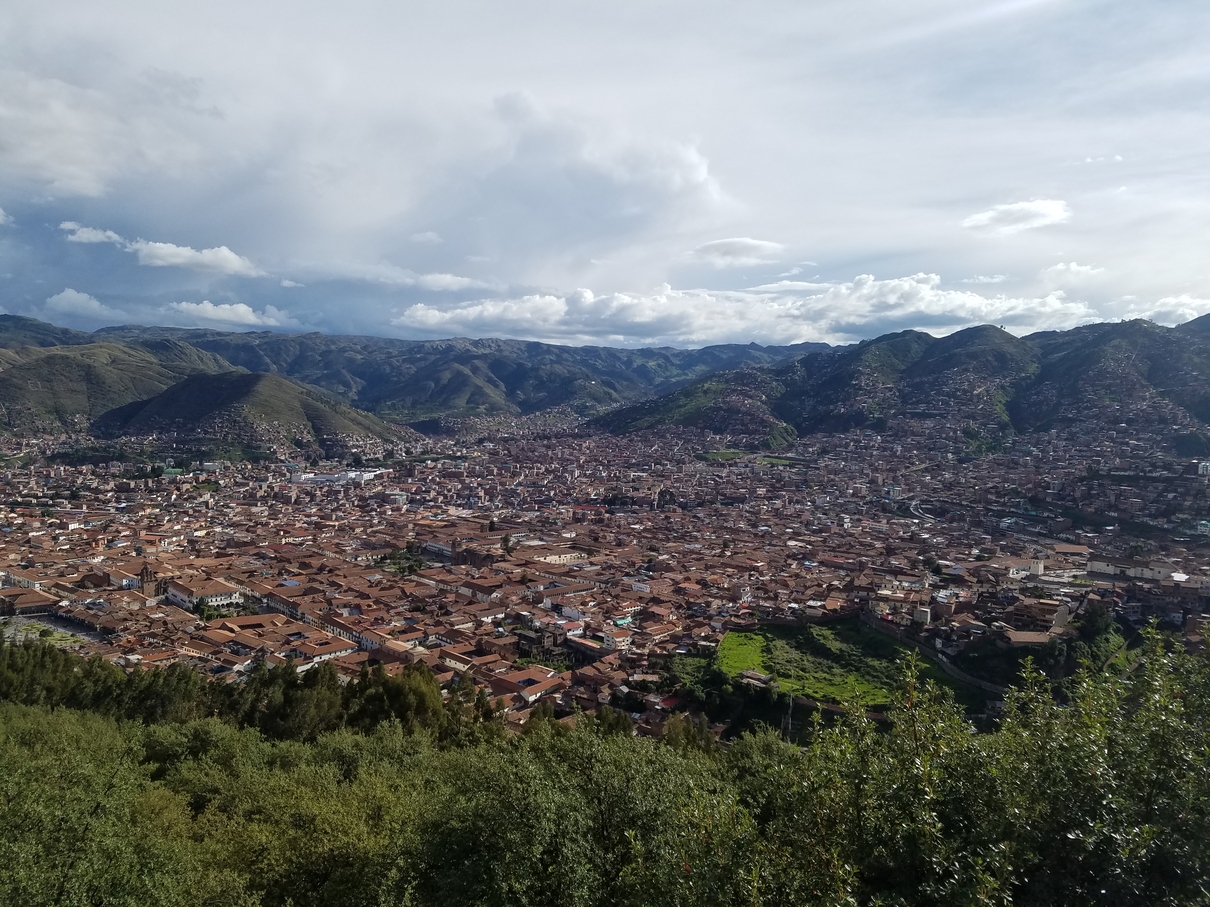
573,568
604,455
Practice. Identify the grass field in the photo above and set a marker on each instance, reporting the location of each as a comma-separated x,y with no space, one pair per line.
831,662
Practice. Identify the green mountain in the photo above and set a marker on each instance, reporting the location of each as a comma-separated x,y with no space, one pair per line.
1133,371
57,388
54,379
18,331
1102,375
407,380
246,407
739,403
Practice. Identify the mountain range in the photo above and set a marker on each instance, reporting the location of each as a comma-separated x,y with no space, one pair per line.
1136,373
132,379
302,388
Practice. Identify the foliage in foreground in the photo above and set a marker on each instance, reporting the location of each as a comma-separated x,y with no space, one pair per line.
1105,800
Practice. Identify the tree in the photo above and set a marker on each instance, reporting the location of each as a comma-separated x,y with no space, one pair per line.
1096,621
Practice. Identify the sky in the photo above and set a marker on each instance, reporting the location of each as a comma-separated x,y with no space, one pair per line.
622,173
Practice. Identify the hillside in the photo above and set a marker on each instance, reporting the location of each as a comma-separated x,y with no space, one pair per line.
407,380
1139,373
1101,375
18,331
245,407
54,379
1133,371
57,388
738,404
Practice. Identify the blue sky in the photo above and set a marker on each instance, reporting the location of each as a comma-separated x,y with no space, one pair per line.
622,173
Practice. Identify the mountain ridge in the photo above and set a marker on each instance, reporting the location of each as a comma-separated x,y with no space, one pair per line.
410,380
57,379
1133,372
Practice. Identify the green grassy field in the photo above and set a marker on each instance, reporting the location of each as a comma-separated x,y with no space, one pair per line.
831,662
742,652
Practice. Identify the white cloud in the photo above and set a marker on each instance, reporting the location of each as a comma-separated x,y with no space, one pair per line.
78,233
427,237
234,313
1071,275
983,278
71,302
1169,310
290,283
783,312
220,260
5,219
391,275
557,192
1005,220
1072,269
447,282
738,252
64,139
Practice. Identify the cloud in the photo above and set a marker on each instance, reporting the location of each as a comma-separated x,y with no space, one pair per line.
78,136
447,282
427,237
234,313
784,312
71,302
981,278
5,219
1169,310
78,233
1005,220
220,260
290,283
863,151
1071,275
391,275
557,190
738,252
1071,269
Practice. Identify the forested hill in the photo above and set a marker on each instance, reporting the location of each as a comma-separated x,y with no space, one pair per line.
298,791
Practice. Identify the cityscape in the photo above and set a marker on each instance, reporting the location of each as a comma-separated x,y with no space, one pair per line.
604,455
574,567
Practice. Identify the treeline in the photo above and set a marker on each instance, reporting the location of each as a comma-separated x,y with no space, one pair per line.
1104,800
278,701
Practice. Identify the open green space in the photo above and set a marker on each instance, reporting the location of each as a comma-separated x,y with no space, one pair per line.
831,662
46,633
